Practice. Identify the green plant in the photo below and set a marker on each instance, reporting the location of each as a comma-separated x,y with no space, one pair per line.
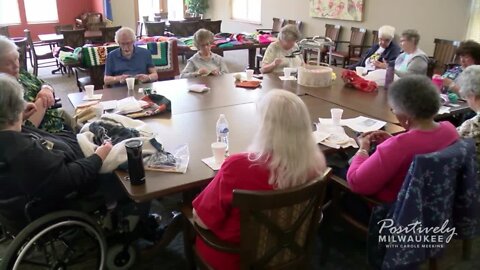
197,6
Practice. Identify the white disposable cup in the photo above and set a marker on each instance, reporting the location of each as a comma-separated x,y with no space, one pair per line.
287,72
89,90
98,108
336,115
219,149
130,83
360,70
249,74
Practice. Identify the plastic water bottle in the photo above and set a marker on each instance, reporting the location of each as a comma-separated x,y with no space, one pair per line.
222,129
390,74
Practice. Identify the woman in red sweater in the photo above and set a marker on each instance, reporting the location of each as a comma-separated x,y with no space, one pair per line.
283,154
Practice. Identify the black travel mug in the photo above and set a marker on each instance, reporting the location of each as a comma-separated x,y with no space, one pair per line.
135,162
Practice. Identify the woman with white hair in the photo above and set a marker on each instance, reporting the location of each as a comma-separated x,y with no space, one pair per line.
469,82
281,53
282,155
204,62
128,61
36,91
384,52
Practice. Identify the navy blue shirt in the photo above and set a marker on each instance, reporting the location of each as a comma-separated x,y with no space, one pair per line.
139,63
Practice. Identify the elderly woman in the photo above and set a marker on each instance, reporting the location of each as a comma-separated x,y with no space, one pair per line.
280,53
382,53
204,62
412,60
128,61
469,53
35,91
283,154
39,163
414,101
469,83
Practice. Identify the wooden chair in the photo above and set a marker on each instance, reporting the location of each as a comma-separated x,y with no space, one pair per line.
298,23
90,21
4,31
276,26
277,228
444,54
155,28
73,38
357,58
332,31
46,58
139,30
213,26
22,52
355,46
108,33
59,28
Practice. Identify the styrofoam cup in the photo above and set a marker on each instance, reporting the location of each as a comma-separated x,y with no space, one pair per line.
336,115
249,74
287,72
130,83
219,149
360,70
89,90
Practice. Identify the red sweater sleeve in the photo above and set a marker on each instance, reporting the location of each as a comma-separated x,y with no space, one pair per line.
214,203
368,175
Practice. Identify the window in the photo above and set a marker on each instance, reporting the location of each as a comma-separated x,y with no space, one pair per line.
246,10
148,8
39,11
175,9
9,13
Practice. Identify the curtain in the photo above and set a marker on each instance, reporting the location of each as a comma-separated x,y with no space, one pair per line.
473,30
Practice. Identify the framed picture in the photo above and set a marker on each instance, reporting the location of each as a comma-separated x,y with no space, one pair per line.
350,10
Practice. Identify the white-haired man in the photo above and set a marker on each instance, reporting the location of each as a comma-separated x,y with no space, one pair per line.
382,53
128,61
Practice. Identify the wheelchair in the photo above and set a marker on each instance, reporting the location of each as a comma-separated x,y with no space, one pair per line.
71,233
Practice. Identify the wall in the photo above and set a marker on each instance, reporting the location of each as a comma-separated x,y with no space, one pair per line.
67,11
97,6
432,18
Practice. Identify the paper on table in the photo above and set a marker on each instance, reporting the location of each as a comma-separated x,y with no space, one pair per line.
291,78
364,124
128,105
109,105
210,161
320,136
336,136
94,97
198,88
329,121
444,110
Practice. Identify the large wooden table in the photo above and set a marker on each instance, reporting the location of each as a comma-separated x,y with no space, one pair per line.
193,120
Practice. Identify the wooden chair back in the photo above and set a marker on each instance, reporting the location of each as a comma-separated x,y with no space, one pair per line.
357,38
213,26
73,38
299,24
139,30
278,227
277,24
22,51
444,53
155,28
108,33
4,31
59,28
332,31
374,37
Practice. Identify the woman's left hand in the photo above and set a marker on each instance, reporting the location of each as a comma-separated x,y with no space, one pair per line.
30,109
364,141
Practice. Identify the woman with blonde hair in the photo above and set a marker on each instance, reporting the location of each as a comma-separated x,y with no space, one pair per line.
283,154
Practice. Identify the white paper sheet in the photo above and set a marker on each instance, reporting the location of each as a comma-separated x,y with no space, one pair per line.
109,105
198,88
336,136
94,97
444,110
210,162
128,105
291,78
365,124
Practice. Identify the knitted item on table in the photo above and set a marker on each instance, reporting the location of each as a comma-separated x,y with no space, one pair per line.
351,78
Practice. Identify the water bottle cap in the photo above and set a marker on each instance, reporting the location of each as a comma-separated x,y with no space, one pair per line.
222,115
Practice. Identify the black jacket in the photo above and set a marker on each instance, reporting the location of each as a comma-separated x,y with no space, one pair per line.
35,163
390,54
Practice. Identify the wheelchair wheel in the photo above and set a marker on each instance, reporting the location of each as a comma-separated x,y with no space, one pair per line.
59,240
121,257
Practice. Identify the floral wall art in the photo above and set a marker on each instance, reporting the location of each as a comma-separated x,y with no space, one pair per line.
351,10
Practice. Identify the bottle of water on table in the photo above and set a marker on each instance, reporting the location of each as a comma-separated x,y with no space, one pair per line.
222,130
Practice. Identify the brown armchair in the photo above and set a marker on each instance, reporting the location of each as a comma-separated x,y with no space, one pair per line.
90,21
277,227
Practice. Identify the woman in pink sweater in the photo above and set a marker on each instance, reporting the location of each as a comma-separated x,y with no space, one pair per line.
415,102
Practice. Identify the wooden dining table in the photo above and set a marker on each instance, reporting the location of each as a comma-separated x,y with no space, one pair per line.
55,38
193,119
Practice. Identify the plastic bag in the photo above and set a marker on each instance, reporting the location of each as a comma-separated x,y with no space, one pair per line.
164,161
